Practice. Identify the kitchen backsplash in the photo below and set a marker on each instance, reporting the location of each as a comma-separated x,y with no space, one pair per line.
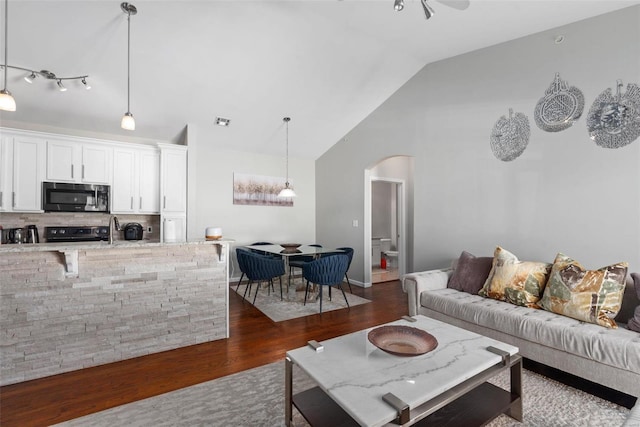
61,219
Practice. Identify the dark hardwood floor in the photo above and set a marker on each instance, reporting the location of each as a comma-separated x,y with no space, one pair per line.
255,341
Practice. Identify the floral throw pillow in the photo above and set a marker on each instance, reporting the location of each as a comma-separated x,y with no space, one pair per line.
518,282
593,296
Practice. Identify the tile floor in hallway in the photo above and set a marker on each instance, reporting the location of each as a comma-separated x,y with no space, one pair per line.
379,275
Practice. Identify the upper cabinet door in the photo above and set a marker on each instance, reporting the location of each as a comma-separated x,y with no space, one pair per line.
149,199
78,162
174,180
96,164
28,162
124,173
61,161
6,173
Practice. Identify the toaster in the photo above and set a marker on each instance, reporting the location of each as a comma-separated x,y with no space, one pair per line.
133,231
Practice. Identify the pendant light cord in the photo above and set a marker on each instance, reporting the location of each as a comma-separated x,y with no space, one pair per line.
287,181
6,37
128,61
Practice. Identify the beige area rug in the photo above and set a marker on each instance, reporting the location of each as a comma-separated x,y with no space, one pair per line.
292,306
256,398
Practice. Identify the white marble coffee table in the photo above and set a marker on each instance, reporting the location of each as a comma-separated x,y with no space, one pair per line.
353,376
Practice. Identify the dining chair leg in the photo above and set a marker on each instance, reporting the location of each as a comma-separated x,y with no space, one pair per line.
321,297
348,282
239,281
280,278
248,288
344,295
256,293
306,292
330,292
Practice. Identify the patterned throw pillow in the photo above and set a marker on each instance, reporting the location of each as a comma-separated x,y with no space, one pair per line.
518,282
593,296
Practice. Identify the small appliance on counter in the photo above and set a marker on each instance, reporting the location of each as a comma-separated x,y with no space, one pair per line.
28,234
213,233
76,234
133,231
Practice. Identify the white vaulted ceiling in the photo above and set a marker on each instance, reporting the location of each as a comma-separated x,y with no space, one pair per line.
327,63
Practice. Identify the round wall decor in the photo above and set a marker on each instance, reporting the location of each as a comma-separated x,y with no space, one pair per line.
614,122
510,136
560,106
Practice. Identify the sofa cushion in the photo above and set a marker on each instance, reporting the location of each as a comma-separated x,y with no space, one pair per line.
518,282
471,272
634,322
614,347
593,296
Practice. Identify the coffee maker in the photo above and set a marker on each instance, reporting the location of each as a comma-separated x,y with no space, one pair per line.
29,234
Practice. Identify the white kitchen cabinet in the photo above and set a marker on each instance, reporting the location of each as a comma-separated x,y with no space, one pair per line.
149,195
124,181
136,181
174,179
6,172
28,164
173,192
74,161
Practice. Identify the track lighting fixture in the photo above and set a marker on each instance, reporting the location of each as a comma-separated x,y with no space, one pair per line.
128,121
287,191
87,86
7,102
398,5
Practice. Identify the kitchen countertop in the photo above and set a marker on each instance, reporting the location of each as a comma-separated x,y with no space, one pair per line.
73,246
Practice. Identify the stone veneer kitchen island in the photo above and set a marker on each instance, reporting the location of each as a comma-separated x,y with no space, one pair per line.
69,306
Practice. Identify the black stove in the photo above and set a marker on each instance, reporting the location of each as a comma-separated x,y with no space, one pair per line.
76,234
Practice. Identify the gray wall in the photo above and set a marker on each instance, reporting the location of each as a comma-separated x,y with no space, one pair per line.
381,204
564,194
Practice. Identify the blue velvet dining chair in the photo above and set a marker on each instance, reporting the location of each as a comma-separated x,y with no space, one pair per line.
298,261
348,252
260,268
327,271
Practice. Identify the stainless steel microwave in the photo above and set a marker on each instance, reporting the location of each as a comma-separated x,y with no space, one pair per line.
65,197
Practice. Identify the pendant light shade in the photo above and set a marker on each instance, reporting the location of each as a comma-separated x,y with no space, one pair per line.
287,191
128,121
7,103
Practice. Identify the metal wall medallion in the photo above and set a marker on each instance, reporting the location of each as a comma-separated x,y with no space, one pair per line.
614,122
560,107
510,136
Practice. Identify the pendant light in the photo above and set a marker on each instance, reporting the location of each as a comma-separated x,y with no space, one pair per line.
287,191
7,103
128,122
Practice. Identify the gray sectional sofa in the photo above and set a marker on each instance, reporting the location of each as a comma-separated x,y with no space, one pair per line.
610,357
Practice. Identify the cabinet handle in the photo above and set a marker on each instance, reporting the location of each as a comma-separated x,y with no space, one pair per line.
1,200
13,199
164,202
82,171
140,203
71,171
131,202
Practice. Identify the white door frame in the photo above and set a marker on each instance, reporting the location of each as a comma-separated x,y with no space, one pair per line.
402,224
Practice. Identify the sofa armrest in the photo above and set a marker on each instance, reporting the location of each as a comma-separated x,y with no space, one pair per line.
414,283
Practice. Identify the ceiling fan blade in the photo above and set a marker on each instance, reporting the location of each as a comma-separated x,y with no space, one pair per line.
456,4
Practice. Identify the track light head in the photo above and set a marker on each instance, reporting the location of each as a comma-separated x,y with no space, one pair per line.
428,11
87,86
61,86
398,5
31,77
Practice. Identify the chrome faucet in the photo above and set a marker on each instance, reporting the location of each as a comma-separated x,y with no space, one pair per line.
113,220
